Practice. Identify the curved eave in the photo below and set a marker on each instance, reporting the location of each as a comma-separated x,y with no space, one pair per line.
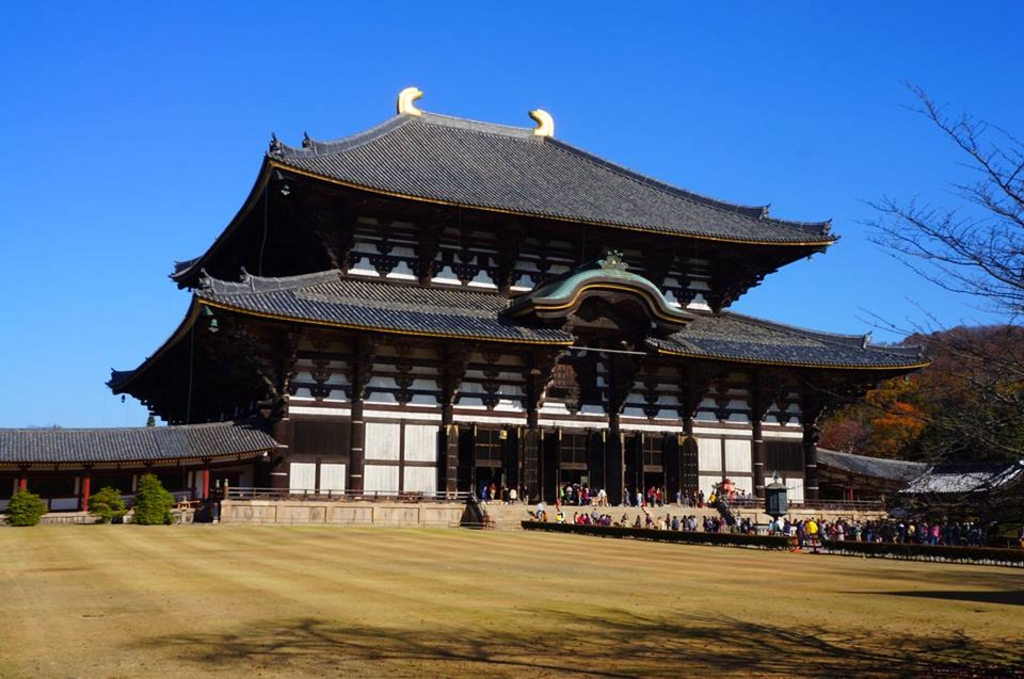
791,364
381,329
662,231
255,196
183,329
654,301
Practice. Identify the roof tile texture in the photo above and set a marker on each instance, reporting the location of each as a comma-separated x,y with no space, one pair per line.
460,162
140,444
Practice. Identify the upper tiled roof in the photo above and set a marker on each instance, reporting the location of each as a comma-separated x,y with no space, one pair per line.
492,167
331,298
733,337
874,467
134,445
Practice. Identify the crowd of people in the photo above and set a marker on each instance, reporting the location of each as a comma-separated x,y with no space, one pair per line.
802,530
907,531
954,533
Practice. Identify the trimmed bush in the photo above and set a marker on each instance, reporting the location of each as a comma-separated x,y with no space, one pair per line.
25,509
107,505
152,502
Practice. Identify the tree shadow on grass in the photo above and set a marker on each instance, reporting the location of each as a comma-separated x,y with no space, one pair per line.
1013,598
610,643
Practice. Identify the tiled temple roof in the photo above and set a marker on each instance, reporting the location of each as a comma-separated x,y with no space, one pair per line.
133,445
967,478
507,169
744,339
329,298
873,467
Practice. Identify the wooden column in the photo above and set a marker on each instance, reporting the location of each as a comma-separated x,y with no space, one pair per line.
448,460
672,456
695,380
762,391
542,366
361,367
532,442
759,453
86,491
455,359
283,432
357,449
810,444
811,409
23,483
616,459
622,371
206,482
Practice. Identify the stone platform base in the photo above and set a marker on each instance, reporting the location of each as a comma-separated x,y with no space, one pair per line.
314,513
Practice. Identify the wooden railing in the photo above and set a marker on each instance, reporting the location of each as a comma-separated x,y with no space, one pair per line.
748,503
243,493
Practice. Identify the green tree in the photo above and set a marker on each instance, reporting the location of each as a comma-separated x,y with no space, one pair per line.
107,504
25,509
151,420
152,502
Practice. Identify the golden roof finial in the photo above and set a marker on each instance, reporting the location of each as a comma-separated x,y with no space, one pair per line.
545,123
405,99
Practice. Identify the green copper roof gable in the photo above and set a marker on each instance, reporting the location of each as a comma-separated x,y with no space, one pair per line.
563,296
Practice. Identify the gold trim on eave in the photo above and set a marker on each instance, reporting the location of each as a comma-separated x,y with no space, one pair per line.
273,164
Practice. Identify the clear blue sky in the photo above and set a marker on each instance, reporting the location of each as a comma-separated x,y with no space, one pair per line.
131,133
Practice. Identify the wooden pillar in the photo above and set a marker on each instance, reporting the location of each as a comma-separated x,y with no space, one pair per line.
759,453
361,367
357,451
283,433
762,389
86,491
448,460
616,459
810,445
532,439
23,483
206,482
455,359
531,460
811,408
672,459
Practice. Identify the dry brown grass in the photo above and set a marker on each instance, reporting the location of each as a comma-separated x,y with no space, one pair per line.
226,601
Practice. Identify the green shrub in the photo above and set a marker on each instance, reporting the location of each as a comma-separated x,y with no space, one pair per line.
152,502
107,504
25,509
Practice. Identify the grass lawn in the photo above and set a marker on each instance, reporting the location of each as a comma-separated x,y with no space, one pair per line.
239,601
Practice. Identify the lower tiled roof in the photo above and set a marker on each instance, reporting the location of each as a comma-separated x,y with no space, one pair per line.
873,467
132,445
333,299
733,337
967,478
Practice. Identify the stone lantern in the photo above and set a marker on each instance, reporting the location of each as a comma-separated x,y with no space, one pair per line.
775,502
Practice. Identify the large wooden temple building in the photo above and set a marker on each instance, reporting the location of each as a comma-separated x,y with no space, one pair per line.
437,304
